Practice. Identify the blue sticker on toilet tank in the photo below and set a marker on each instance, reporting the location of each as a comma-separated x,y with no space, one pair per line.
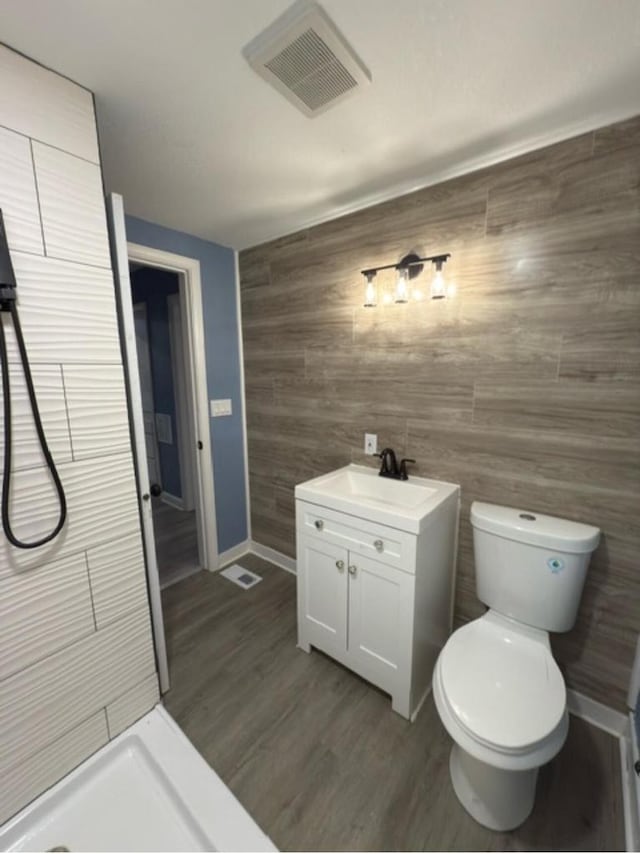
555,564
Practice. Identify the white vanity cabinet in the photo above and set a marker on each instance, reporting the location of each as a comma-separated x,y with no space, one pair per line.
356,609
375,597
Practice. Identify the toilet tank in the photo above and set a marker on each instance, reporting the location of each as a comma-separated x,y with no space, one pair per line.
531,567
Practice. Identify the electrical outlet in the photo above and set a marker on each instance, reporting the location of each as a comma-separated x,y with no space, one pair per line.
370,444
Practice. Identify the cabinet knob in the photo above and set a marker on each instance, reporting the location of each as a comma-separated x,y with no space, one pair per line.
352,569
319,524
340,565
379,545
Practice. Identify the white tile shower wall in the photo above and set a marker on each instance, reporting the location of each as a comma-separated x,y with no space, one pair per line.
116,571
47,107
47,380
41,771
67,311
18,192
132,704
102,505
47,699
97,407
42,611
72,209
76,651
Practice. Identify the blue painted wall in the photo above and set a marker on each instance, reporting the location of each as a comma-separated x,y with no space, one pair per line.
153,287
217,271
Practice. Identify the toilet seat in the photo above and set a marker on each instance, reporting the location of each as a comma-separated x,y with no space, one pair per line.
502,687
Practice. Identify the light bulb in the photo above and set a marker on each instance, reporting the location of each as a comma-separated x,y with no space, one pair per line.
438,289
402,285
370,291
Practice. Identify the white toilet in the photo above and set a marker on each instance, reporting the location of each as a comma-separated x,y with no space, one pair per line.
496,686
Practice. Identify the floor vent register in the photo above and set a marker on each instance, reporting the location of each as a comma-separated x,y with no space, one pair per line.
242,577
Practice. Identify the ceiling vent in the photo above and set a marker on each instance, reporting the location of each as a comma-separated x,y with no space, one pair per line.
306,59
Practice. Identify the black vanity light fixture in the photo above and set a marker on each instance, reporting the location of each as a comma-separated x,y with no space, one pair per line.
408,268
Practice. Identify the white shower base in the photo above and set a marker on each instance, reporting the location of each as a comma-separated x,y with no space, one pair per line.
147,790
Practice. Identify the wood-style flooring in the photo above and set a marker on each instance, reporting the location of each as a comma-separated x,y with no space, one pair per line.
176,539
318,758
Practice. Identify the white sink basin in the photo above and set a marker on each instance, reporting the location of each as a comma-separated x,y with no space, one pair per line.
355,484
403,504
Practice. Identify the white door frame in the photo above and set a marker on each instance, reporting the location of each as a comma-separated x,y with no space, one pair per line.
184,421
188,270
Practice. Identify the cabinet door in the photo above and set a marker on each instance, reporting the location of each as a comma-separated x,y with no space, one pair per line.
322,595
380,622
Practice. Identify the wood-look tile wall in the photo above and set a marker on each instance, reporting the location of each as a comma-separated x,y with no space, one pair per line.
76,653
524,388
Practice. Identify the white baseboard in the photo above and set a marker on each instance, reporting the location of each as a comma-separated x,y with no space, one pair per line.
172,500
620,726
234,553
281,560
251,547
597,713
416,711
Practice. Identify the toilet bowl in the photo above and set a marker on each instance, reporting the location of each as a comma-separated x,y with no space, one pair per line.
496,685
502,699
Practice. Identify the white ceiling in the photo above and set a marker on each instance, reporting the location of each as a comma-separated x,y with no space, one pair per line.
196,141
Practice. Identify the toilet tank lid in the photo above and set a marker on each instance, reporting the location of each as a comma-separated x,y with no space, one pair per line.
525,526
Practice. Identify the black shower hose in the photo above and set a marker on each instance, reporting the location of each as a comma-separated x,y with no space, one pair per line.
8,441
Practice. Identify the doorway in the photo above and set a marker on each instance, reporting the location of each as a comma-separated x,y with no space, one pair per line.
170,452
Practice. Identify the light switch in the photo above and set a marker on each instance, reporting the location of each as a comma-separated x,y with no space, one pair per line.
220,407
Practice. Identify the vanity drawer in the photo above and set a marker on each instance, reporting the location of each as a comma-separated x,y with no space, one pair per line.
387,545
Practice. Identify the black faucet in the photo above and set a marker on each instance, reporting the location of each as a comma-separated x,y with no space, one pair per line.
389,466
